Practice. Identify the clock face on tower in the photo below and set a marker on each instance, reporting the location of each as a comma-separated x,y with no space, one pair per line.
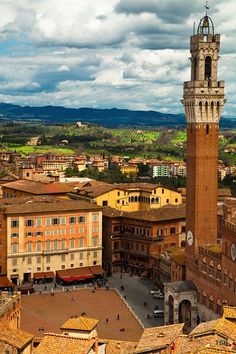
190,238
233,251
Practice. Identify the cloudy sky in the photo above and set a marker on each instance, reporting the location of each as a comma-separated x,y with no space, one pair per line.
107,53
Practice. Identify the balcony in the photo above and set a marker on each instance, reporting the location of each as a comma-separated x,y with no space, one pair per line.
133,236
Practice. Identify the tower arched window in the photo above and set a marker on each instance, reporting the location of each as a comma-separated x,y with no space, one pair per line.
211,303
208,68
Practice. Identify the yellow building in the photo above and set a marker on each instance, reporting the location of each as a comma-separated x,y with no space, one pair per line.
129,170
128,196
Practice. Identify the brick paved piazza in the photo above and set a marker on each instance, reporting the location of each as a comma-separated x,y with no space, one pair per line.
50,312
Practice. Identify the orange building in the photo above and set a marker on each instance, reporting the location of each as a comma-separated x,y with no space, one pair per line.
41,234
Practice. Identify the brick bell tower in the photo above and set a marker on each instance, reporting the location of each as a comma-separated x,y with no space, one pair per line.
203,101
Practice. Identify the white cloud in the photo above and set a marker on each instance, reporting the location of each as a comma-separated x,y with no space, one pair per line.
106,53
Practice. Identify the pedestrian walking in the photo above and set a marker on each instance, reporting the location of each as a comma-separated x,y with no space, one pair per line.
118,317
45,287
107,320
121,276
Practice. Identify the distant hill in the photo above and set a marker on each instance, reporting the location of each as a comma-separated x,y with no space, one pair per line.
105,117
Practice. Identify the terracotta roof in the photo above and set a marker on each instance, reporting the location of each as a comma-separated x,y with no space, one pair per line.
222,327
15,337
60,344
80,324
43,204
158,337
35,187
186,345
119,347
160,214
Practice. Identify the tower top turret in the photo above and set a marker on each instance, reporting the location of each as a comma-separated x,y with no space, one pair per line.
206,25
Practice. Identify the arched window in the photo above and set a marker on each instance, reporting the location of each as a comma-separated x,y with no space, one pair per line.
194,66
208,68
63,243
218,272
72,243
81,219
39,246
211,303
135,199
48,245
157,200
211,269
55,245
153,200
139,199
132,199
204,265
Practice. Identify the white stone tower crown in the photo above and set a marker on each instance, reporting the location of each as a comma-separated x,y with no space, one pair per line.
204,95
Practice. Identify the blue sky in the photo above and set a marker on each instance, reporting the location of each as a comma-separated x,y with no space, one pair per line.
107,53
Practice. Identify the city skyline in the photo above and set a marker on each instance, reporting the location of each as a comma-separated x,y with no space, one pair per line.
116,53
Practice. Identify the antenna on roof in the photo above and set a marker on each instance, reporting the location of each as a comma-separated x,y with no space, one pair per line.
206,7
194,28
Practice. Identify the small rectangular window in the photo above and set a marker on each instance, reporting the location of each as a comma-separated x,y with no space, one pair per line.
63,231
63,257
15,234
48,232
48,259
95,217
81,230
14,248
72,220
15,223
39,222
95,254
38,259
55,232
55,221
29,222
48,221
29,260
63,220
81,255
81,219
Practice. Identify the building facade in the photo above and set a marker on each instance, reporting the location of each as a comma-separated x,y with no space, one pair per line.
48,234
131,240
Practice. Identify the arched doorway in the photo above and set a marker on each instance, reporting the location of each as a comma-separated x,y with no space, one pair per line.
185,313
171,309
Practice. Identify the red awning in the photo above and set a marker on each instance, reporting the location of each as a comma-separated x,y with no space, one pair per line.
5,282
97,270
48,275
39,275
74,274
